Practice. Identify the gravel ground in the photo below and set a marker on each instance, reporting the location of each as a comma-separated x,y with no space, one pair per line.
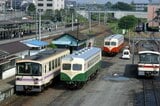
115,85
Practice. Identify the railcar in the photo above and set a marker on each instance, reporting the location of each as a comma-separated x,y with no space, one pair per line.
35,72
113,44
149,63
81,66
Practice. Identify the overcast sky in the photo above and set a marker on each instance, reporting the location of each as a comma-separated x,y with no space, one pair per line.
114,1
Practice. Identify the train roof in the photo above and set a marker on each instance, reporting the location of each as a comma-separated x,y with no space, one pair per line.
153,52
114,36
45,54
84,53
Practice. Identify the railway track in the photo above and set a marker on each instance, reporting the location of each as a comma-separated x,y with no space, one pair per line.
151,92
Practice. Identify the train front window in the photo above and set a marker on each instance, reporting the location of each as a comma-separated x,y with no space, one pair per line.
66,66
149,58
107,43
28,68
113,43
77,67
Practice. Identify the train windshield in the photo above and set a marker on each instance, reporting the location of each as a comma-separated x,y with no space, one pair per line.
29,68
66,66
77,67
113,43
148,58
107,43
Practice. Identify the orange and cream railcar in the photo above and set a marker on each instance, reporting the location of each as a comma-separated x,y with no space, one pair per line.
113,44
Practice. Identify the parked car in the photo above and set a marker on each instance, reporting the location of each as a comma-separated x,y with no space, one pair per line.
126,54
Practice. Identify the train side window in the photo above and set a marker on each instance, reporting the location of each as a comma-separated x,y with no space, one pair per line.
52,64
59,61
45,69
56,63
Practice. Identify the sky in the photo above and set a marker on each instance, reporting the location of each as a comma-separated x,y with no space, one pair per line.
114,1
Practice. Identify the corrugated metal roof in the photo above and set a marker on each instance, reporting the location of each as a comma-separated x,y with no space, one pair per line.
14,47
35,43
84,53
62,42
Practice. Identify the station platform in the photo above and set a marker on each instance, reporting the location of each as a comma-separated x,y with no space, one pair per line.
6,88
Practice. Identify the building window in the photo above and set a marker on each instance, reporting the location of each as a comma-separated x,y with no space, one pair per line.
49,0
40,4
49,5
41,10
40,0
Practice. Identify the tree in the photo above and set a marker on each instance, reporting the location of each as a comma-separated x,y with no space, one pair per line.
123,6
51,45
31,9
127,22
108,5
48,15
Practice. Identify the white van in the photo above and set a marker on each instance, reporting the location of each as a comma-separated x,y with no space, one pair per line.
126,54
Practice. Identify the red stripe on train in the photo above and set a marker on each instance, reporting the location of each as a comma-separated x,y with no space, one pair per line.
114,49
148,66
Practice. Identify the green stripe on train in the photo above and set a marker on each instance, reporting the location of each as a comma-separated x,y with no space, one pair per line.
82,76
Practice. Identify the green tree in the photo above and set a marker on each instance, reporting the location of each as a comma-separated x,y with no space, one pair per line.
108,5
127,22
123,6
31,9
48,15
51,45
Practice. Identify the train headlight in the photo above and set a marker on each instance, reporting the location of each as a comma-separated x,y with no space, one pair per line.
18,79
36,81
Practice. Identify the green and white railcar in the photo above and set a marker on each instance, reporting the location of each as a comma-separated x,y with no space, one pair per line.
79,67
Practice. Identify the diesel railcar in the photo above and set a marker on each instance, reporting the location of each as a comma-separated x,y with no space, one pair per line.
149,63
113,44
81,66
35,72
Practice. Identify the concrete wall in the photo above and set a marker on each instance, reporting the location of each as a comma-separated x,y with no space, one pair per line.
117,14
152,13
7,92
8,73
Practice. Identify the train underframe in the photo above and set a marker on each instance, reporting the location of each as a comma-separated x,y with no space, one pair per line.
29,88
148,73
79,84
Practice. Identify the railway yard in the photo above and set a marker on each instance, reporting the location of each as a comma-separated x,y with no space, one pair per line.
116,84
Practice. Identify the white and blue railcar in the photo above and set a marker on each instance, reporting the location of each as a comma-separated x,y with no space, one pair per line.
149,63
35,72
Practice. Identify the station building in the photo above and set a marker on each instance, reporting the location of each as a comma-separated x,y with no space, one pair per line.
9,53
73,41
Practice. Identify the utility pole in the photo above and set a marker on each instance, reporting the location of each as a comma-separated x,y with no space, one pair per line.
105,17
39,13
36,27
72,21
89,20
99,18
